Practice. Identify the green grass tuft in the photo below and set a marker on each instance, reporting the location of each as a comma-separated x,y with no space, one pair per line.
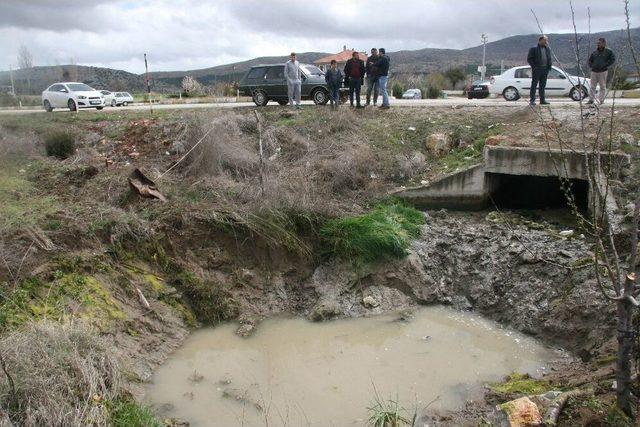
383,233
521,384
60,144
128,413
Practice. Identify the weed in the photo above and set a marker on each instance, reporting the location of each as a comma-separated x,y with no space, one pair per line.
521,384
209,301
381,234
125,412
388,413
60,144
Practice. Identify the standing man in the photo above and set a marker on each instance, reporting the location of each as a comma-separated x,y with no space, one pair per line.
294,80
383,75
372,77
334,77
539,58
599,62
354,70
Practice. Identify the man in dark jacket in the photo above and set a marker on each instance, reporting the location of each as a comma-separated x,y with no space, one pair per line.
539,58
354,72
334,78
372,77
599,62
383,75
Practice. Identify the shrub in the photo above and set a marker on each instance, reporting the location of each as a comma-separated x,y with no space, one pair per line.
61,374
433,92
381,234
397,90
60,145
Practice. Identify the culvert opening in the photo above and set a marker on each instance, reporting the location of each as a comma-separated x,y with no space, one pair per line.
536,192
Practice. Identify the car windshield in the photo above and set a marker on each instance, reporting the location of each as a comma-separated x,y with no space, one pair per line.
312,70
79,87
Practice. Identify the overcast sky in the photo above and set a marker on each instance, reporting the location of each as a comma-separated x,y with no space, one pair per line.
188,34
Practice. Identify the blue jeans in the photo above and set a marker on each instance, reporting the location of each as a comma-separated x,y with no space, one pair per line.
334,95
382,84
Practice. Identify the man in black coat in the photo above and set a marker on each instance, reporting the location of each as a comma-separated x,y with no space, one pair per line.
599,62
539,58
372,76
354,72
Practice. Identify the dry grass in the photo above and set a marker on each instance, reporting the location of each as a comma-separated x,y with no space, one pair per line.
63,373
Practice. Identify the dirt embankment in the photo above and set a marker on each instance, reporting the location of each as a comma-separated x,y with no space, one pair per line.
239,238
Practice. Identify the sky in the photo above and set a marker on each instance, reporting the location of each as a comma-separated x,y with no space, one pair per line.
192,34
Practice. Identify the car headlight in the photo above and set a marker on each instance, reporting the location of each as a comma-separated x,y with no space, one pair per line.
82,97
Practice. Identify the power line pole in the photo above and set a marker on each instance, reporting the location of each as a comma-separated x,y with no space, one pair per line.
484,56
146,67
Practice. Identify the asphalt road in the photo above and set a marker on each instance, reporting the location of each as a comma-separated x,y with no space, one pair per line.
463,102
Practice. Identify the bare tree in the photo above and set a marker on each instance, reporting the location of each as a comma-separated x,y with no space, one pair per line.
73,69
25,58
614,258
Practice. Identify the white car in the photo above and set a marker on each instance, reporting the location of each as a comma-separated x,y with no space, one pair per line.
121,98
412,94
108,97
71,95
516,82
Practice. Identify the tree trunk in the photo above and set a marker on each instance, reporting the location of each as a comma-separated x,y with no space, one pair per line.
623,363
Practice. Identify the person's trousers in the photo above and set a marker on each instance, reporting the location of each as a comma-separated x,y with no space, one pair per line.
372,86
598,79
354,88
538,78
294,92
334,95
382,85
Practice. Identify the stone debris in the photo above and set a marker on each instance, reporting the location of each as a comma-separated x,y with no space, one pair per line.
370,302
438,144
520,412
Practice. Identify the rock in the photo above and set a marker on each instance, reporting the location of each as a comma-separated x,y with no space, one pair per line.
370,302
438,144
498,140
517,413
566,233
324,311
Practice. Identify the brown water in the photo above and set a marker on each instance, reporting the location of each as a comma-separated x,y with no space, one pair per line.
293,372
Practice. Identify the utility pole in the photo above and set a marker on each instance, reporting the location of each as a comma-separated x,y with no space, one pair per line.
146,67
484,56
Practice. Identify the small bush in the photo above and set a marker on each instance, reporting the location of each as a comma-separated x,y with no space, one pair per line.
397,90
60,145
434,92
381,234
210,301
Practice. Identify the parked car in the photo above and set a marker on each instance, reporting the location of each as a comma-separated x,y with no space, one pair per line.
516,82
266,83
412,94
71,95
478,89
108,97
121,98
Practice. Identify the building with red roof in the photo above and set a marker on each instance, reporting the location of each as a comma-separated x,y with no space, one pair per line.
341,58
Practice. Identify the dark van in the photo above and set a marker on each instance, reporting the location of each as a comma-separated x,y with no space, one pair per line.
266,83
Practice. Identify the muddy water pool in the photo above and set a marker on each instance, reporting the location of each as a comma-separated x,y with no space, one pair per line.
294,372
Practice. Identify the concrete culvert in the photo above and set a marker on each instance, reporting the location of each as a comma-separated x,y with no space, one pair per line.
537,192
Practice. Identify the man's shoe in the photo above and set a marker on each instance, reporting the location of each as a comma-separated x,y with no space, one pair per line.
590,101
544,103
359,106
384,107
532,102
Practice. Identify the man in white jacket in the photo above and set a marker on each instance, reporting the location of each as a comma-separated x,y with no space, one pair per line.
294,80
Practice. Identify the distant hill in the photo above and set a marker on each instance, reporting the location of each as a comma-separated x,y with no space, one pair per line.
511,51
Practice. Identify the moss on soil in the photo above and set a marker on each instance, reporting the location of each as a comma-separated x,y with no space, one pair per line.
521,384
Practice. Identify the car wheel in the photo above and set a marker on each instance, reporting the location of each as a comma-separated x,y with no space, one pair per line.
72,105
578,93
320,97
99,108
283,102
469,96
124,104
511,94
47,106
260,98
113,102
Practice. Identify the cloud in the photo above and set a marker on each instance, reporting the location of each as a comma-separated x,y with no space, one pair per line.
191,34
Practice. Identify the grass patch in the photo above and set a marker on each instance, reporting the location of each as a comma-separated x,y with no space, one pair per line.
209,301
128,413
521,384
383,233
60,144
